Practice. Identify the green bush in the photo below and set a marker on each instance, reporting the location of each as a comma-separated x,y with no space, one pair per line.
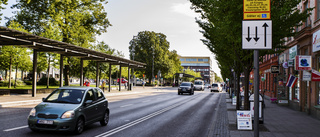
5,83
28,82
52,81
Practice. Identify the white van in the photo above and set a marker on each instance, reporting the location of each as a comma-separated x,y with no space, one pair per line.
198,85
216,87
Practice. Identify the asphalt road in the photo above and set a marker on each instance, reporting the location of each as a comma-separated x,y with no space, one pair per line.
150,114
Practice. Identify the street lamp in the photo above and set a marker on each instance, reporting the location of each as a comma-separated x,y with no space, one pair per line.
152,65
133,54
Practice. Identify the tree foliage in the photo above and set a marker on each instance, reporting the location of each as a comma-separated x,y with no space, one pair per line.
2,3
221,23
153,49
78,22
14,56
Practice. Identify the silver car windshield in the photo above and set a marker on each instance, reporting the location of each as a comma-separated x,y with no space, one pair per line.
185,84
72,96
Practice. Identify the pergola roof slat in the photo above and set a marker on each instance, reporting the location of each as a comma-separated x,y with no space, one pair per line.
18,38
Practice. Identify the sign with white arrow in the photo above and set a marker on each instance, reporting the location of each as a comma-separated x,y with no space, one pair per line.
257,34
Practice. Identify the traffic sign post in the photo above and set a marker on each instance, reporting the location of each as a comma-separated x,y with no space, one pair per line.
256,9
257,34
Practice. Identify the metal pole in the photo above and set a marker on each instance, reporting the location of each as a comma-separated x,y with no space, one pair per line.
34,75
81,72
152,66
109,77
61,70
97,75
256,93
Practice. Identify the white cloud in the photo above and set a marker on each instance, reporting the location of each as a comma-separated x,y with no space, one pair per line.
183,9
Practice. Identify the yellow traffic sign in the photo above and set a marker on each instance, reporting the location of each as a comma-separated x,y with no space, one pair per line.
256,9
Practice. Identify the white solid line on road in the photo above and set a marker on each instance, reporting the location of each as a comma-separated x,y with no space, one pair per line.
16,128
128,125
126,105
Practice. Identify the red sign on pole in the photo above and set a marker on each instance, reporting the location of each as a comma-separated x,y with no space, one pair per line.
315,76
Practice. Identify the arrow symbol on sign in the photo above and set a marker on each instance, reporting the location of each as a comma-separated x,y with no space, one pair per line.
248,39
256,38
265,25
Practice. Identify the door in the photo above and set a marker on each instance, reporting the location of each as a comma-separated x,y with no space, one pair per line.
90,108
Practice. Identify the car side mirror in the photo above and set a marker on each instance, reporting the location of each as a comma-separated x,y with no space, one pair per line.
43,99
88,102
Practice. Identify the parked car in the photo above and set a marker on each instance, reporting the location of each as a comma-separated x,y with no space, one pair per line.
207,85
216,87
70,109
186,87
198,85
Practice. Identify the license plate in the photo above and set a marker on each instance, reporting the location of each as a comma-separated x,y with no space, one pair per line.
184,89
48,122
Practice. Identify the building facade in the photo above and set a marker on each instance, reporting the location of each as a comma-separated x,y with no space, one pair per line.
305,94
199,64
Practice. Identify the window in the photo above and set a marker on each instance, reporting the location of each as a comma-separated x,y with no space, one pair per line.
203,60
181,59
90,95
191,59
318,102
318,9
98,93
296,91
305,8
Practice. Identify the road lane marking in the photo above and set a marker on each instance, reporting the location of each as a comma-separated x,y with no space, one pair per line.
16,128
146,101
126,105
123,127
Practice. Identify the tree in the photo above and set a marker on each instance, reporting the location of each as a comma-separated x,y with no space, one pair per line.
52,32
78,21
176,65
2,2
221,22
217,78
153,49
90,66
13,55
191,72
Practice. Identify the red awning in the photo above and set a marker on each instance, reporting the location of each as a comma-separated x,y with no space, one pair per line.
315,76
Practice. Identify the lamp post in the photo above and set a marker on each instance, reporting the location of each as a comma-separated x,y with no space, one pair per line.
133,54
152,65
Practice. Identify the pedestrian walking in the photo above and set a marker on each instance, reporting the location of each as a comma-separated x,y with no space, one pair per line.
87,83
143,83
103,84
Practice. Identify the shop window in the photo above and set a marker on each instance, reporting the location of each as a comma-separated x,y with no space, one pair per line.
318,9
296,91
318,102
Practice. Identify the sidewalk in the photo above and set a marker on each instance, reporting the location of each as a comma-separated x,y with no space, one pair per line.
27,99
279,121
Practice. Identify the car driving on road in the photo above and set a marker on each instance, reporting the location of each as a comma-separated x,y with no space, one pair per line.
186,87
70,109
198,85
215,87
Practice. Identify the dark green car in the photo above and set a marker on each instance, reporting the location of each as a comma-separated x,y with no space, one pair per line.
70,109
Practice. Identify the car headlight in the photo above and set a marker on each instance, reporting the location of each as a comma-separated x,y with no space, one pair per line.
32,112
68,114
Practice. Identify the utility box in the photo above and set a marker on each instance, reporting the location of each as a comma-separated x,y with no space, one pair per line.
251,100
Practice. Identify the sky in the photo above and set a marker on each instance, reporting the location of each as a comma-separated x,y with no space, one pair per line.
173,18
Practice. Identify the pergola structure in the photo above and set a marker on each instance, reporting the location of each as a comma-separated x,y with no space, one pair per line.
10,37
